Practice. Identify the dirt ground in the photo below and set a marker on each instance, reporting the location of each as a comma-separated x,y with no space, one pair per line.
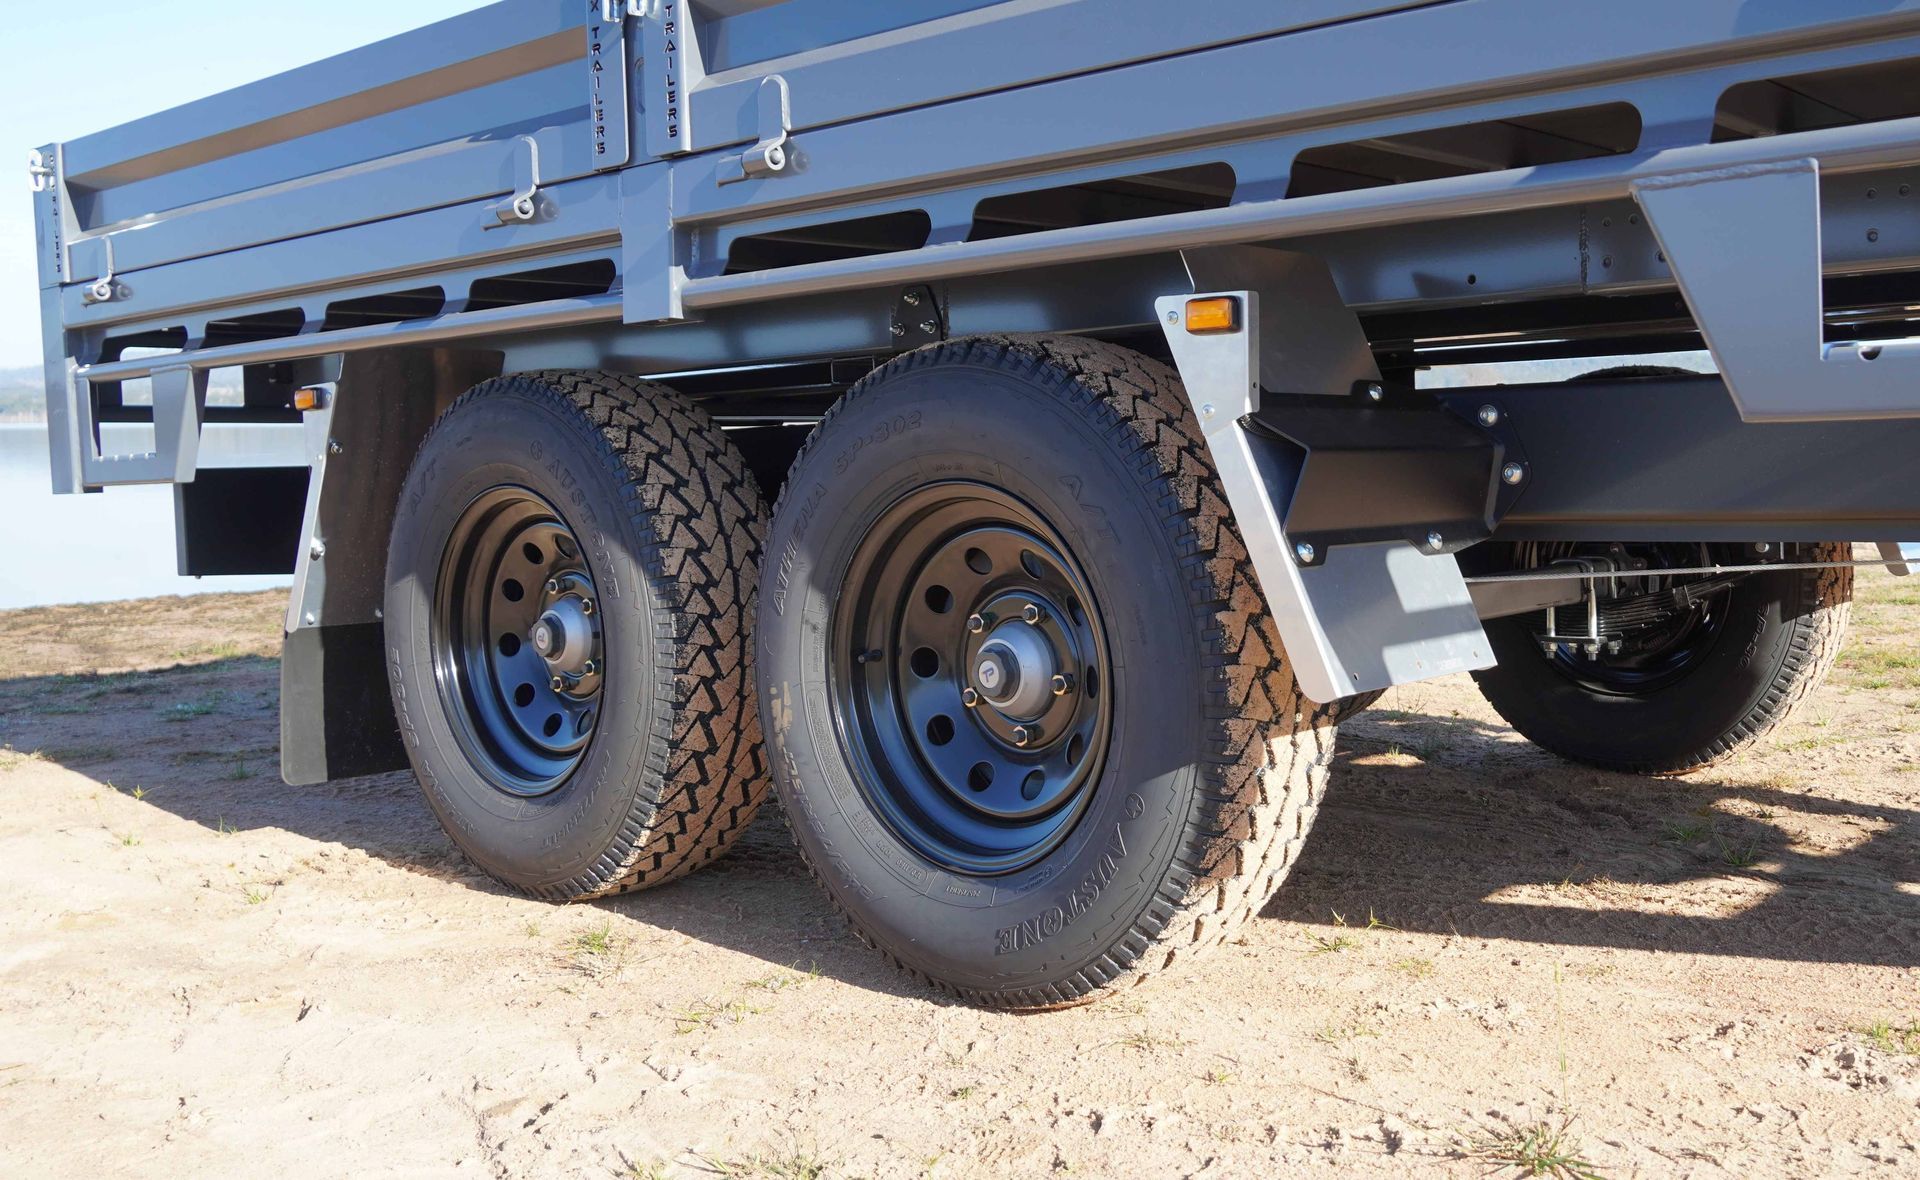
204,972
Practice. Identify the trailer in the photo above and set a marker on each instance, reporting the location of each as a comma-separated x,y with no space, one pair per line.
1077,347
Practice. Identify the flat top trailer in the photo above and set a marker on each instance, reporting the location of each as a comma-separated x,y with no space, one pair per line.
1079,342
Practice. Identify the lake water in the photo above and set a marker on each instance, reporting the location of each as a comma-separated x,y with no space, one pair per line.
109,545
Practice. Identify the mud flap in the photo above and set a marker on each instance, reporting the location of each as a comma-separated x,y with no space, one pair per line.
1355,616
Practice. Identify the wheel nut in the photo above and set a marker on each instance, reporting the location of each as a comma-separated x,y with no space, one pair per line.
1062,684
1032,613
969,698
553,585
586,606
558,683
1022,735
589,668
976,624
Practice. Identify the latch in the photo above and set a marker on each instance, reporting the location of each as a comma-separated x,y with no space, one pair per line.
40,174
769,155
103,289
523,206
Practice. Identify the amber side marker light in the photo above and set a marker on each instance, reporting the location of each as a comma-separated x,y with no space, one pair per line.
1218,314
310,398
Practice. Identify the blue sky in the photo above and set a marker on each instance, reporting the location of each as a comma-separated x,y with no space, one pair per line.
76,69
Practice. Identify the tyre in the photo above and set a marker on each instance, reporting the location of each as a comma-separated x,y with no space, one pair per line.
1689,690
1026,709
570,580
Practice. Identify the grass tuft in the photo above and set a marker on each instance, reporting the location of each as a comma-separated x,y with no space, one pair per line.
1539,1149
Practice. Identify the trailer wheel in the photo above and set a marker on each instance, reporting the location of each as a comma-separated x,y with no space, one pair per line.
1718,683
1026,709
572,570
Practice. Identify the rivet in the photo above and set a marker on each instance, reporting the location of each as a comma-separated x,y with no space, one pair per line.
1304,552
1375,392
1873,235
1513,473
317,550
1435,541
1173,317
1489,416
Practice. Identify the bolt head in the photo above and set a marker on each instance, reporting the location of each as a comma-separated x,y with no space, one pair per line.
1206,410
912,298
586,606
557,683
899,329
1375,392
589,668
969,698
976,624
334,447
1304,552
1022,735
1031,613
317,550
1489,416
1513,473
1173,317
929,327
1436,541
1062,684
553,585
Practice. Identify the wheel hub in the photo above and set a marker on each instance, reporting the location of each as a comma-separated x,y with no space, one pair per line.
1013,670
563,635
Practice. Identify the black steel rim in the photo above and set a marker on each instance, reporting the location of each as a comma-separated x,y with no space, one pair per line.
516,641
970,678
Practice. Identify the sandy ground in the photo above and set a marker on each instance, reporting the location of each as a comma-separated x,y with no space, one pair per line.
204,972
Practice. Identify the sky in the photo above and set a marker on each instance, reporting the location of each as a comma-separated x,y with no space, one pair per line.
68,77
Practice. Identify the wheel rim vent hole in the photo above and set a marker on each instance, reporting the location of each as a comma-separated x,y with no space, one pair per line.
523,696
981,776
979,562
1091,679
939,599
512,590
925,663
1030,561
533,554
509,645
1031,786
552,726
1076,746
940,730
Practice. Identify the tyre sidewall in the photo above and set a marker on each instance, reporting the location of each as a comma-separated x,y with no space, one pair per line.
518,433
1013,425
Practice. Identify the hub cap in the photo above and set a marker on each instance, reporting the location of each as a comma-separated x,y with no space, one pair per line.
517,647
969,667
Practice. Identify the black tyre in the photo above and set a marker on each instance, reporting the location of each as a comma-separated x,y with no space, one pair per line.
1715,681
569,585
969,523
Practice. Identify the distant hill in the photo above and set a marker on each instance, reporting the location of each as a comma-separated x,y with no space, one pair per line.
22,395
